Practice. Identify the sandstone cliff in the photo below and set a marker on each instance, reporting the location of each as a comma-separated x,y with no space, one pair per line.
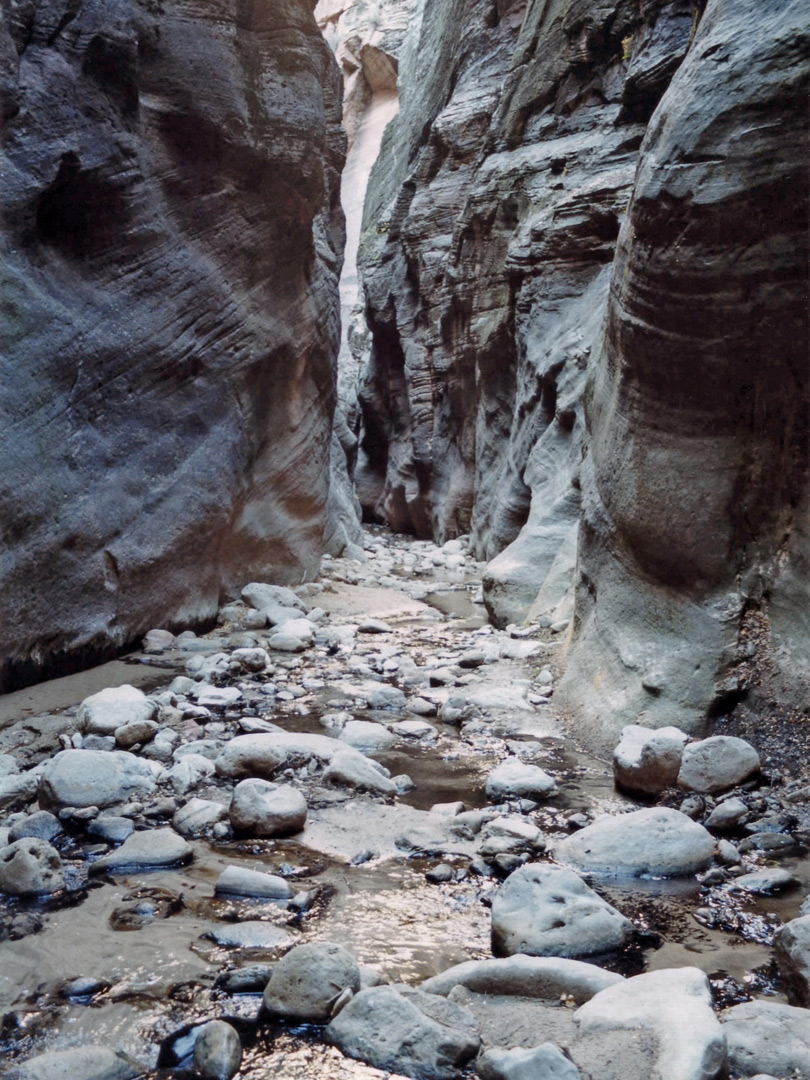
693,589
367,39
488,240
171,242
495,288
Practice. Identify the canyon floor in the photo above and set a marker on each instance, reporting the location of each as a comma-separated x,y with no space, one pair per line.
401,669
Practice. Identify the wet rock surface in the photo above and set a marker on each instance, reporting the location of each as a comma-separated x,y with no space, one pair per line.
406,872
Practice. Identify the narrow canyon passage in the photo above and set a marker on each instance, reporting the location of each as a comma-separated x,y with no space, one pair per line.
435,764
404,540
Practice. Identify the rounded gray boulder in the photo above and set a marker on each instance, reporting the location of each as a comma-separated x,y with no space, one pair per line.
262,808
717,764
217,1051
647,760
93,778
544,910
30,867
309,979
656,842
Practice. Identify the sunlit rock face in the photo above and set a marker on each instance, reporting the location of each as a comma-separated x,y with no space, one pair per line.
694,579
171,244
367,38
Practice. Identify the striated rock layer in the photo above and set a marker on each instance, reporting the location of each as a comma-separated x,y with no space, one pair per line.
367,38
584,257
486,256
694,565
171,242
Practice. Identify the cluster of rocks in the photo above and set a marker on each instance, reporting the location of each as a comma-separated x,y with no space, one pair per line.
215,757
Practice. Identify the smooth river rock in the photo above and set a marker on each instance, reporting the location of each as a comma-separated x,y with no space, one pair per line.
717,764
653,842
147,850
546,978
792,950
217,1051
30,867
261,808
308,980
544,910
116,706
646,760
94,778
546,1061
514,778
78,1063
675,1005
401,1030
242,881
767,1037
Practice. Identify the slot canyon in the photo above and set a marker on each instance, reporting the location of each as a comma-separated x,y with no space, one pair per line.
405,540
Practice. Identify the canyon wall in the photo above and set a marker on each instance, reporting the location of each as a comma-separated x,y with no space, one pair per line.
490,230
611,399
366,37
693,591
171,244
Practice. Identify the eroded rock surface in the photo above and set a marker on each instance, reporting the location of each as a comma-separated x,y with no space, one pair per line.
170,251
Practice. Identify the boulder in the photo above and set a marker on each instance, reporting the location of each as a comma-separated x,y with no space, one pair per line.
148,850
675,1005
135,731
406,1031
514,778
730,814
263,754
366,736
544,910
657,842
546,1061
262,808
242,881
250,934
41,824
717,764
351,769
792,951
767,1037
308,980
217,1051
30,867
94,778
111,828
647,760
546,978
113,707
766,882
198,815
78,1063
260,595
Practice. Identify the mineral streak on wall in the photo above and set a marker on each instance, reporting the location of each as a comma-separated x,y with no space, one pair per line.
171,245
